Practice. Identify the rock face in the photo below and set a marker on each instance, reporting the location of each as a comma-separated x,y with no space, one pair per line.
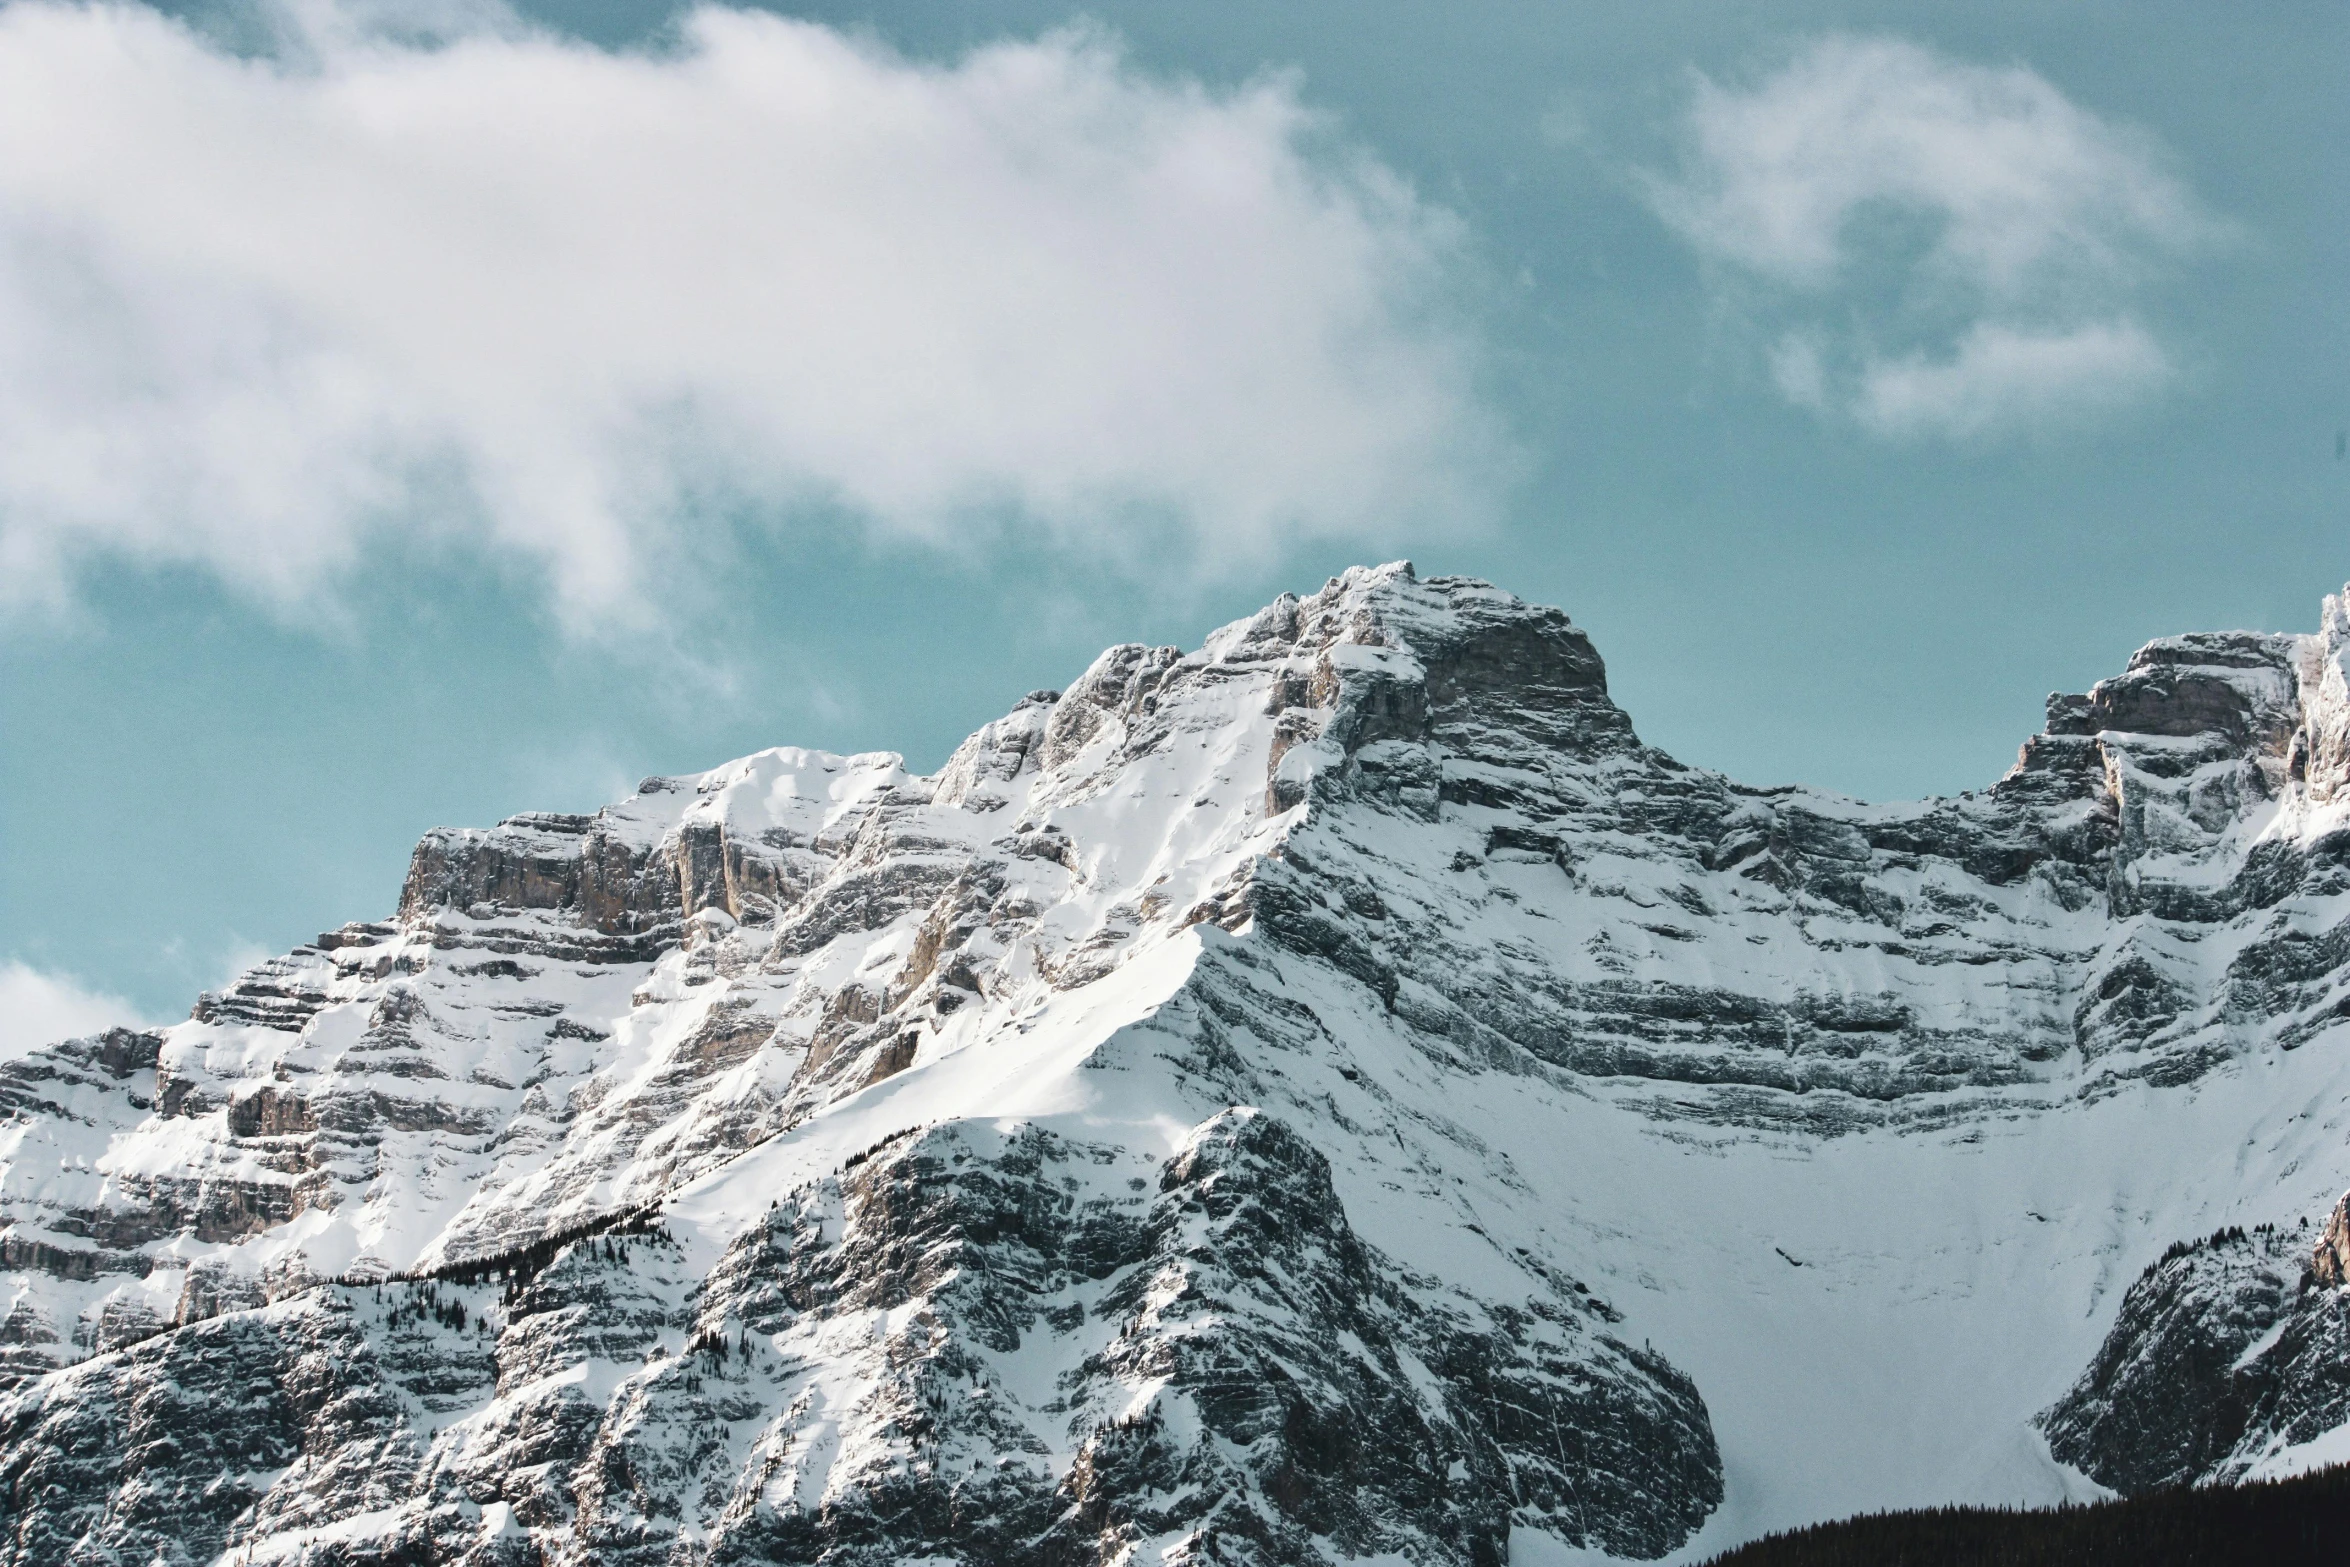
2226,1353
2329,1264
1333,1093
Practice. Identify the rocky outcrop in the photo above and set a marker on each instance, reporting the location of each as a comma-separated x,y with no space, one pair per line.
2225,1353
2329,1264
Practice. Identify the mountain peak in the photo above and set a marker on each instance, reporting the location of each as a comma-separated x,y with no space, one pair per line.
1249,1104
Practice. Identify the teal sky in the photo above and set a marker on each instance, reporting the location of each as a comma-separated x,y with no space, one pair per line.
1839,515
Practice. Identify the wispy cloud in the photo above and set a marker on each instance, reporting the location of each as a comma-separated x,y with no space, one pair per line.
485,284
2000,377
39,1008
1937,248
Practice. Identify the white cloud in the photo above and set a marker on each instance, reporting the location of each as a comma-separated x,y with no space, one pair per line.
502,286
1961,248
39,1009
2001,378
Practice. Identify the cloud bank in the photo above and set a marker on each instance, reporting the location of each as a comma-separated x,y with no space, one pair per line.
1940,249
502,288
39,1009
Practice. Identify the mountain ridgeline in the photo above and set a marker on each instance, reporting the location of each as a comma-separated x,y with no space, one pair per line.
1332,1093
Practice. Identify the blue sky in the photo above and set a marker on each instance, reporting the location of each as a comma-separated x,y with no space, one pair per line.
411,424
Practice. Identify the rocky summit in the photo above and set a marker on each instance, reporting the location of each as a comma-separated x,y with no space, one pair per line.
1335,1093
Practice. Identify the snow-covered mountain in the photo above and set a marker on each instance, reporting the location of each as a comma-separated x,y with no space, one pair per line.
1335,1093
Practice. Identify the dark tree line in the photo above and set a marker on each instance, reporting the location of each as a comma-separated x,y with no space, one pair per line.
2281,1523
521,1264
422,1301
2225,1235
